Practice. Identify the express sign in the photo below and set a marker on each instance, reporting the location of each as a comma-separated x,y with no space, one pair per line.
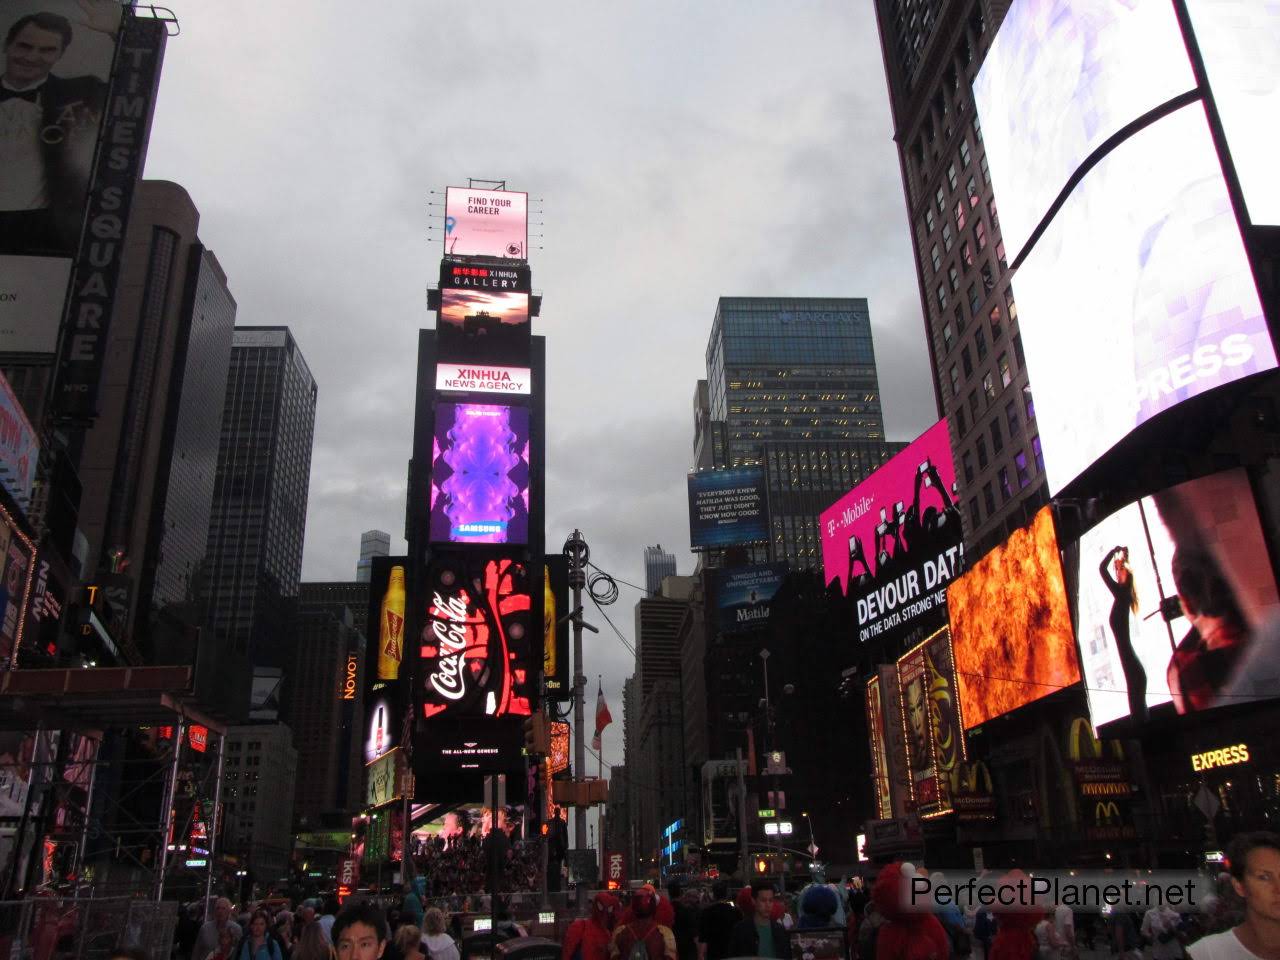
1222,757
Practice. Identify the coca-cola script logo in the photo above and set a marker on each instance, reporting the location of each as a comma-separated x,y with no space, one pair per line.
449,625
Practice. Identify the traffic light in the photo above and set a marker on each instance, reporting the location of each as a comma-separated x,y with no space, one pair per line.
537,734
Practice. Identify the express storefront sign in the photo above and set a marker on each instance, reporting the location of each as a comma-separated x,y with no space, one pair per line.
1221,757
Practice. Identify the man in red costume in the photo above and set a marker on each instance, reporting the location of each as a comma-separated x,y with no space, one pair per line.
588,938
907,933
643,933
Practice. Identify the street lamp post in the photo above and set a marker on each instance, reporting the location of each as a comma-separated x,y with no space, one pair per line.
813,844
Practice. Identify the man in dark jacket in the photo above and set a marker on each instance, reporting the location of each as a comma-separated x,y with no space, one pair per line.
761,935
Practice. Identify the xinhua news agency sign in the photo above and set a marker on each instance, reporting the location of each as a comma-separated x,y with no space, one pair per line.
87,318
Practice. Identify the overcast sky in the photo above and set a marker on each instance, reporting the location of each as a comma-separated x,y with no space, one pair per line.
675,153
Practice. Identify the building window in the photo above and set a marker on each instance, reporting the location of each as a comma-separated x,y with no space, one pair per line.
960,420
946,237
980,234
971,188
929,221
967,359
995,216
1010,306
974,405
959,319
997,436
959,213
989,498
982,165
1000,257
953,276
974,301
955,381
1017,350
966,255
964,153
989,387
941,198
1029,404
997,330
977,128
988,278
942,297
1039,455
983,459
951,176
1011,416
1020,464
974,516
980,341
1003,478
948,337
1006,374
936,258
967,460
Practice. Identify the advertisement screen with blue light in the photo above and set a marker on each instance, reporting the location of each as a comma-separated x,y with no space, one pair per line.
727,507
480,474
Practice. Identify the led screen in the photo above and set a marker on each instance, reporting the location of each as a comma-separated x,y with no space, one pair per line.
486,223
482,378
727,507
1060,78
1239,41
879,760
744,595
1010,626
17,569
384,658
556,678
926,682
893,542
480,474
1176,592
483,327
1138,296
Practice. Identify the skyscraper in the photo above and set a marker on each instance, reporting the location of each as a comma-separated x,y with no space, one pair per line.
792,385
657,564
254,555
149,460
373,543
932,52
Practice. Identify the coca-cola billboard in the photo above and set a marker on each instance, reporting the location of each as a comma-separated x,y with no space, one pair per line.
478,660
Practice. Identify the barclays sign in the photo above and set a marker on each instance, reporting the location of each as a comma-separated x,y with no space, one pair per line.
787,317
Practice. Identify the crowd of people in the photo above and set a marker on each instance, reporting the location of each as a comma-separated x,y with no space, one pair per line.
459,866
316,931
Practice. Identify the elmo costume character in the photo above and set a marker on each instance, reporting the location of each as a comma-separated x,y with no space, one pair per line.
1015,933
588,937
906,934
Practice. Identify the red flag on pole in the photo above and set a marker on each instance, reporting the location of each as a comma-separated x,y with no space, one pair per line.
603,718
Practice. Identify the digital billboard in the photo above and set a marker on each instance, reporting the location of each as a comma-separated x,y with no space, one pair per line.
385,699
483,378
931,724
1176,592
1061,77
1011,626
19,448
483,327
1239,41
1138,296
894,541
477,654
557,681
744,595
896,756
480,474
879,757
727,507
486,223
17,570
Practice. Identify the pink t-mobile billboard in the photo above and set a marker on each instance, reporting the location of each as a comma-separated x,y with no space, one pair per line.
893,542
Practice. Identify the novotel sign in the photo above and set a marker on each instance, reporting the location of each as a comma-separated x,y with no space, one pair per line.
1222,757
349,679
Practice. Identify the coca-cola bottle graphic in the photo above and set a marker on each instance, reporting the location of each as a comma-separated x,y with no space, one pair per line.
475,642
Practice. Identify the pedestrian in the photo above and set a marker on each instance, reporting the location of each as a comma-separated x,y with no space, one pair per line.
716,923
761,935
984,929
411,907
1160,928
1254,863
210,930
258,944
684,923
327,918
1064,926
588,937
438,944
868,931
408,941
311,944
904,934
643,938
226,948
360,932
1047,942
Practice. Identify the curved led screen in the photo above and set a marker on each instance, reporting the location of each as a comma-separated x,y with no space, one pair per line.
480,474
1138,296
1061,77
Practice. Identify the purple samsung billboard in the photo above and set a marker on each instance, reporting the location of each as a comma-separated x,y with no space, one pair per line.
480,474
1138,296
893,542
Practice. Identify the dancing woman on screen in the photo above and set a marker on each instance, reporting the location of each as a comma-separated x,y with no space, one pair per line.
1124,601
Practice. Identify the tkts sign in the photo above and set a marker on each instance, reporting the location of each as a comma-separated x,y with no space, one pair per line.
476,652
615,870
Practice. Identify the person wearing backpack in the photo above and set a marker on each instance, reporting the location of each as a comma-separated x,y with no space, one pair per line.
642,937
258,943
588,937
